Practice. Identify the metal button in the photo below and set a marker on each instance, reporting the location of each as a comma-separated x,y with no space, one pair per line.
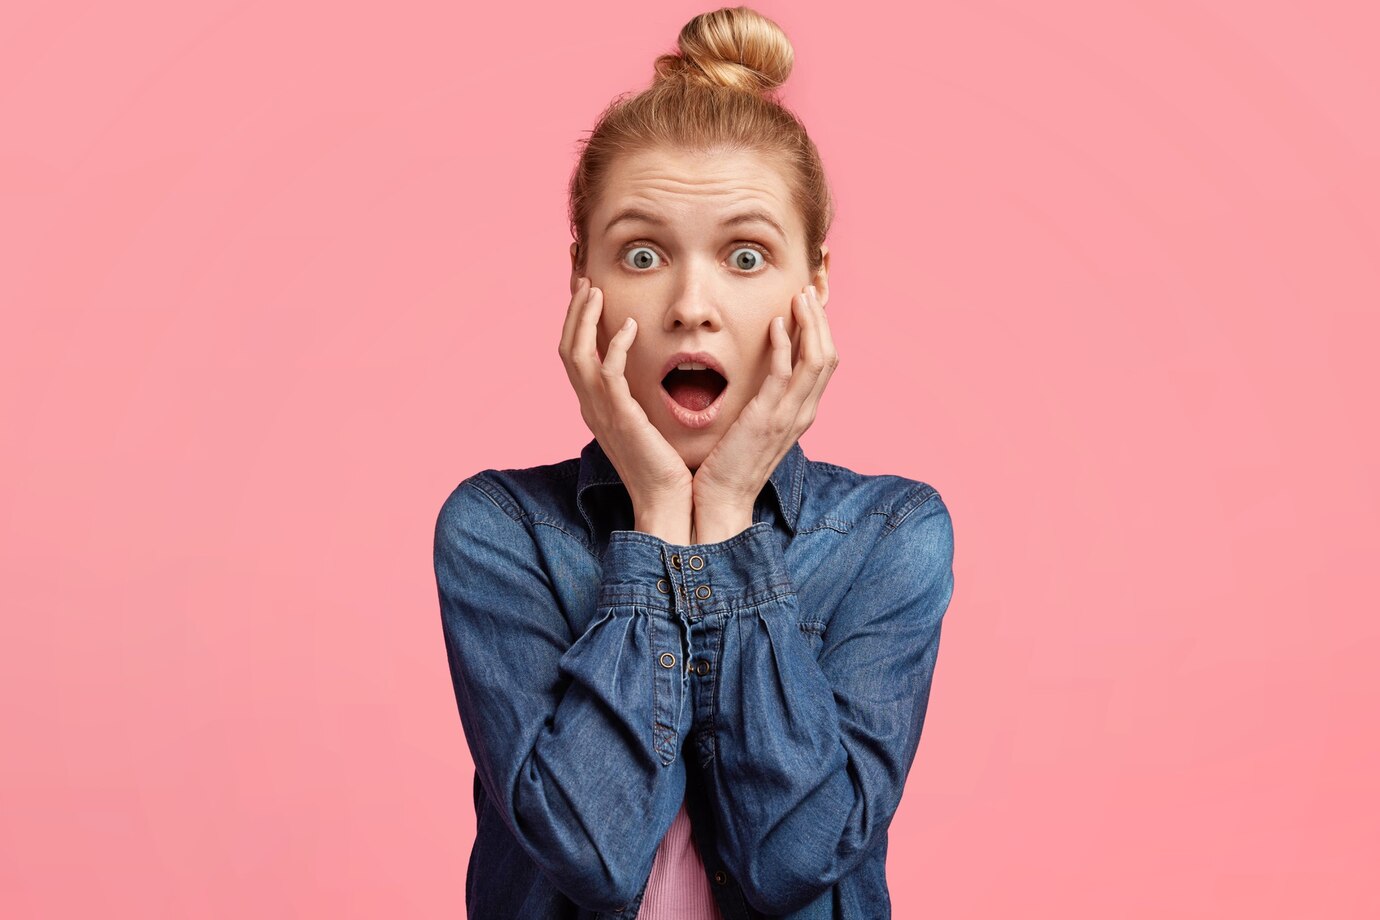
663,586
702,666
675,561
668,660
703,592
696,562
720,877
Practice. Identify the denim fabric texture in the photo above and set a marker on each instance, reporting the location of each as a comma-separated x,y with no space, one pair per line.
776,682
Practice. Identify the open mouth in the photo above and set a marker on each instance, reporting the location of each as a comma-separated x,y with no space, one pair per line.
694,390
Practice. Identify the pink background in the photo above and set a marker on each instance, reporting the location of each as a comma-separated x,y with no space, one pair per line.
277,276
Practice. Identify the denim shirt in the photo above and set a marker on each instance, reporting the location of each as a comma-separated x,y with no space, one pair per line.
775,682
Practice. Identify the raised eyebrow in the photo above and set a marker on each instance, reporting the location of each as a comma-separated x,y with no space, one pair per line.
754,216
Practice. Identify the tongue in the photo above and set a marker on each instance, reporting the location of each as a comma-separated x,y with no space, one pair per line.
694,390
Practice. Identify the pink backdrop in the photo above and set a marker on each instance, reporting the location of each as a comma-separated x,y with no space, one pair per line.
1104,274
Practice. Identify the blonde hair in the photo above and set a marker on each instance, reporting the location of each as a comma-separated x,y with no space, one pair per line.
717,92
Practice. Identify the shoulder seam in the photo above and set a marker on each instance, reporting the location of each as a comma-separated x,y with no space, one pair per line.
917,496
496,494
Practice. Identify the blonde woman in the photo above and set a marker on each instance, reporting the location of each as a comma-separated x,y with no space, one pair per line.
691,664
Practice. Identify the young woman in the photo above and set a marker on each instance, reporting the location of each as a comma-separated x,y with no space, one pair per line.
692,665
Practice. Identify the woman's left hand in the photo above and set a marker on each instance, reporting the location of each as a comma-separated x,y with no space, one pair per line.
728,481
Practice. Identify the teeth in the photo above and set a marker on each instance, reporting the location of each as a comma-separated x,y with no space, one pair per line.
691,366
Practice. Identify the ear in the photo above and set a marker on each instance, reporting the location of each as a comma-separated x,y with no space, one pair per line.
574,270
820,279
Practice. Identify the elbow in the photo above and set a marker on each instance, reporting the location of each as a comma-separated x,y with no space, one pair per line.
779,878
605,882
783,886
595,887
598,875
777,897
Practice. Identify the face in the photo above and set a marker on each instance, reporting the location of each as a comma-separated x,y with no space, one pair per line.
694,278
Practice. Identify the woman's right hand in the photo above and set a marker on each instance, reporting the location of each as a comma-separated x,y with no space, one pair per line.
656,477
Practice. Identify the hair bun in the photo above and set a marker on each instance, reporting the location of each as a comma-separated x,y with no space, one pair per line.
735,47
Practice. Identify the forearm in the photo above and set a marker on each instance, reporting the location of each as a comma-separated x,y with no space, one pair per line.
814,738
552,712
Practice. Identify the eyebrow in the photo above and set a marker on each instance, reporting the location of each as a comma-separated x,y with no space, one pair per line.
755,215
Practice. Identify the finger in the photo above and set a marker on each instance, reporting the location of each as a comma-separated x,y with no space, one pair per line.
572,314
826,336
585,347
815,323
773,389
808,365
780,350
828,351
615,382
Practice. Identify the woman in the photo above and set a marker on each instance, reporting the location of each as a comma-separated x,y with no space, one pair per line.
692,665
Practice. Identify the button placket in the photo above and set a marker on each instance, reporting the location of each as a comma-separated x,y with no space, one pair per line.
693,569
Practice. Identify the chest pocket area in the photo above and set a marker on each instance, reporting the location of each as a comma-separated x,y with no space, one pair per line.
813,635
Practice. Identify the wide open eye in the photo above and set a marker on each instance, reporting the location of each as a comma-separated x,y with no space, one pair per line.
748,259
642,257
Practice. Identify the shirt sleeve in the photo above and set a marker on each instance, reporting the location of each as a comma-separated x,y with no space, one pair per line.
811,754
575,737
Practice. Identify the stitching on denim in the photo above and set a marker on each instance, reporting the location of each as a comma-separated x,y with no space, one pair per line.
579,540
917,497
834,524
712,721
557,526
496,494
656,694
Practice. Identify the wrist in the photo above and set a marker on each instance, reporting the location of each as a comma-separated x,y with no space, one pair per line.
715,522
669,522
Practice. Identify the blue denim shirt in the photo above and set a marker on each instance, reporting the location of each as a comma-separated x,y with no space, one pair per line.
776,682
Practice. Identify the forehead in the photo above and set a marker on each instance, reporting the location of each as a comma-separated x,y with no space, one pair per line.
699,188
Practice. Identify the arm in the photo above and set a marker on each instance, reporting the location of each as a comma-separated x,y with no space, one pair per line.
811,755
575,738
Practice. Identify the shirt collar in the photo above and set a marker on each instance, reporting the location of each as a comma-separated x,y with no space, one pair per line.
787,482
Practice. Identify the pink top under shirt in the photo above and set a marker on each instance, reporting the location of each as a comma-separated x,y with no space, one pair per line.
678,889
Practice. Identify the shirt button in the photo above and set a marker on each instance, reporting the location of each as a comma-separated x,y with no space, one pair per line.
696,562
720,877
703,591
663,586
668,660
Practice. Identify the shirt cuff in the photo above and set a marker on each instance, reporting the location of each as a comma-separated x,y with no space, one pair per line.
746,569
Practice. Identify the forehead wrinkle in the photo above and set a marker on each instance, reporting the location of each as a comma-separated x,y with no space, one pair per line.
675,192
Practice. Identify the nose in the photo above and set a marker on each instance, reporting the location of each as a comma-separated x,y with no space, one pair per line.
694,300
